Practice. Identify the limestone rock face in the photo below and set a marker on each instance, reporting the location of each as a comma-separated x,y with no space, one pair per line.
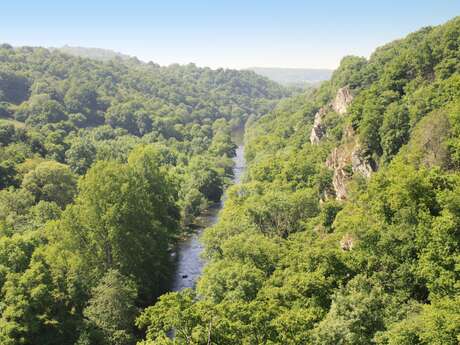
342,99
339,105
344,161
348,158
349,132
318,130
360,164
337,162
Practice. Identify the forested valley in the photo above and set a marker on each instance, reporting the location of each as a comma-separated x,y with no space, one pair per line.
345,229
103,167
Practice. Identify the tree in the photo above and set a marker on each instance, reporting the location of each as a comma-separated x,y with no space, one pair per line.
14,87
111,309
429,145
436,323
80,155
356,314
35,309
130,116
40,110
233,281
177,313
51,181
82,98
205,178
43,212
14,206
222,144
125,217
276,212
192,204
7,134
395,130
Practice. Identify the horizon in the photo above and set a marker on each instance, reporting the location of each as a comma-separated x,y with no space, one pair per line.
173,63
293,34
133,56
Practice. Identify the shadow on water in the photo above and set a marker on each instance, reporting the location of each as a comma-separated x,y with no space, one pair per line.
189,263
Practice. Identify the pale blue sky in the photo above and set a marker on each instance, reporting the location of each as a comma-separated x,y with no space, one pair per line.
225,33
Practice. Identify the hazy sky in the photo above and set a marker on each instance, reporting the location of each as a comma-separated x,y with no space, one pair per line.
222,33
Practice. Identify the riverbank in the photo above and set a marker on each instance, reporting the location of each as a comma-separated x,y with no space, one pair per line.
188,262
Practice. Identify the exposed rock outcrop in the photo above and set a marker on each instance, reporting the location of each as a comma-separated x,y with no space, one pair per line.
360,164
340,104
337,162
342,99
318,130
344,161
349,132
348,158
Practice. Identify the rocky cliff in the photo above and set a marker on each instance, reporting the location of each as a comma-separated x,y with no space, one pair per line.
318,130
348,158
340,104
345,161
342,99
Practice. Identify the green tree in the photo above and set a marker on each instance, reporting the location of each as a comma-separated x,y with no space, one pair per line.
177,313
51,181
111,309
395,130
80,155
356,314
40,110
125,217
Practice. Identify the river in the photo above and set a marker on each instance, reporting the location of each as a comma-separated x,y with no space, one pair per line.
189,263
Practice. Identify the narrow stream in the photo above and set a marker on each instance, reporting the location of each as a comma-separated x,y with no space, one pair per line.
189,262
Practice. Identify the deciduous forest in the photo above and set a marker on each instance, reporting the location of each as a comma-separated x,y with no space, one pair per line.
344,230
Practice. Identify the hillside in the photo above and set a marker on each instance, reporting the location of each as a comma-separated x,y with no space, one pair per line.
346,228
104,167
188,91
294,76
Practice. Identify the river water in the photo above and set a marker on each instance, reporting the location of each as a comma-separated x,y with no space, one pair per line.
189,263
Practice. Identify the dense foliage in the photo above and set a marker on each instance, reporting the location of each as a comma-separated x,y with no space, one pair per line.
290,264
103,166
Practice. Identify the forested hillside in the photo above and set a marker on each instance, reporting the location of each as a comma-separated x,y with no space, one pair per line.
346,228
103,166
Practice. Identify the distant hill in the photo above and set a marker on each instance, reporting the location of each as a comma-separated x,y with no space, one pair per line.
294,76
93,53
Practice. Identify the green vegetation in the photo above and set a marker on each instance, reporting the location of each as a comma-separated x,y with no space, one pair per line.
289,264
103,166
351,238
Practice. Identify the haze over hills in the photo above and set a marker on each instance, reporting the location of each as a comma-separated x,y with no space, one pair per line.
92,53
284,76
294,76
